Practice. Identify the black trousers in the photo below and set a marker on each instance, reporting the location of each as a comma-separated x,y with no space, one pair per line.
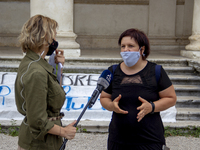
117,146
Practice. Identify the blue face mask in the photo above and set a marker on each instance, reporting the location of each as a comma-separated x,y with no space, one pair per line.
130,58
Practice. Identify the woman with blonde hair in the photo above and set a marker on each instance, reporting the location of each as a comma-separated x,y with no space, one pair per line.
38,95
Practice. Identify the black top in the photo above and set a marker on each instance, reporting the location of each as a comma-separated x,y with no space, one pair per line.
124,128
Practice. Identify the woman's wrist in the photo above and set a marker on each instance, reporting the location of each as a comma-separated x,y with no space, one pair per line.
61,132
153,107
111,106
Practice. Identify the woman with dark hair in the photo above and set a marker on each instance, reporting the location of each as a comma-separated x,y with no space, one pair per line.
38,95
136,96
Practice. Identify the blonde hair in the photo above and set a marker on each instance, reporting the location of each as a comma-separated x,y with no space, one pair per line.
36,31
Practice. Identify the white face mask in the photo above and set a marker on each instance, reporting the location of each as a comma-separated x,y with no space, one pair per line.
130,58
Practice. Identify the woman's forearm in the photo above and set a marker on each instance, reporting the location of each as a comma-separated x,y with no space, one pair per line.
56,130
167,99
164,104
107,104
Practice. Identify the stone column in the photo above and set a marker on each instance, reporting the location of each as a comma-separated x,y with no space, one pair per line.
193,49
162,18
62,12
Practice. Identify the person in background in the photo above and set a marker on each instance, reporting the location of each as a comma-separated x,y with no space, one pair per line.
38,95
136,98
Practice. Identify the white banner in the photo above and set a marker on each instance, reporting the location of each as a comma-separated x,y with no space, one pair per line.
79,87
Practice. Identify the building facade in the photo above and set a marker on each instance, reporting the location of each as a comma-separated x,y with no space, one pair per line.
96,24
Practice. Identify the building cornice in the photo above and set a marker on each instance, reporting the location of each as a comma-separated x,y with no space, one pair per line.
121,2
180,2
117,2
14,0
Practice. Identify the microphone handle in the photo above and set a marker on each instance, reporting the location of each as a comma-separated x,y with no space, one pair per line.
95,95
92,100
63,144
79,118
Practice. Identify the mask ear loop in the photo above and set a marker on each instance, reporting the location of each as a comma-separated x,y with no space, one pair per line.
143,52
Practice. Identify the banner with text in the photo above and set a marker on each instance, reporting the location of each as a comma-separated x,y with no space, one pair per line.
78,87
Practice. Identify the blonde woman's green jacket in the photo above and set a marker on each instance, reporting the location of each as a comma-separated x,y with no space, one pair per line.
38,96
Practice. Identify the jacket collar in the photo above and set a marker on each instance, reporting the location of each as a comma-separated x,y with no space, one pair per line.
34,56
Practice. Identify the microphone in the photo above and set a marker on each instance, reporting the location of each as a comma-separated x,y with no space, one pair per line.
103,82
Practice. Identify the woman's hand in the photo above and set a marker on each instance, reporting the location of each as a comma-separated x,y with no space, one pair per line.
116,107
110,105
167,99
66,132
59,57
145,108
69,131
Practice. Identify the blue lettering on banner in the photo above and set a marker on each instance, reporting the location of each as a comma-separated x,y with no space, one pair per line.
2,87
68,88
71,105
69,101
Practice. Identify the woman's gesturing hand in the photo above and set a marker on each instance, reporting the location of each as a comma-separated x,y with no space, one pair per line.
116,106
145,108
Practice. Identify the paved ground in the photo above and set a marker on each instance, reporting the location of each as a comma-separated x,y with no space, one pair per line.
97,141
